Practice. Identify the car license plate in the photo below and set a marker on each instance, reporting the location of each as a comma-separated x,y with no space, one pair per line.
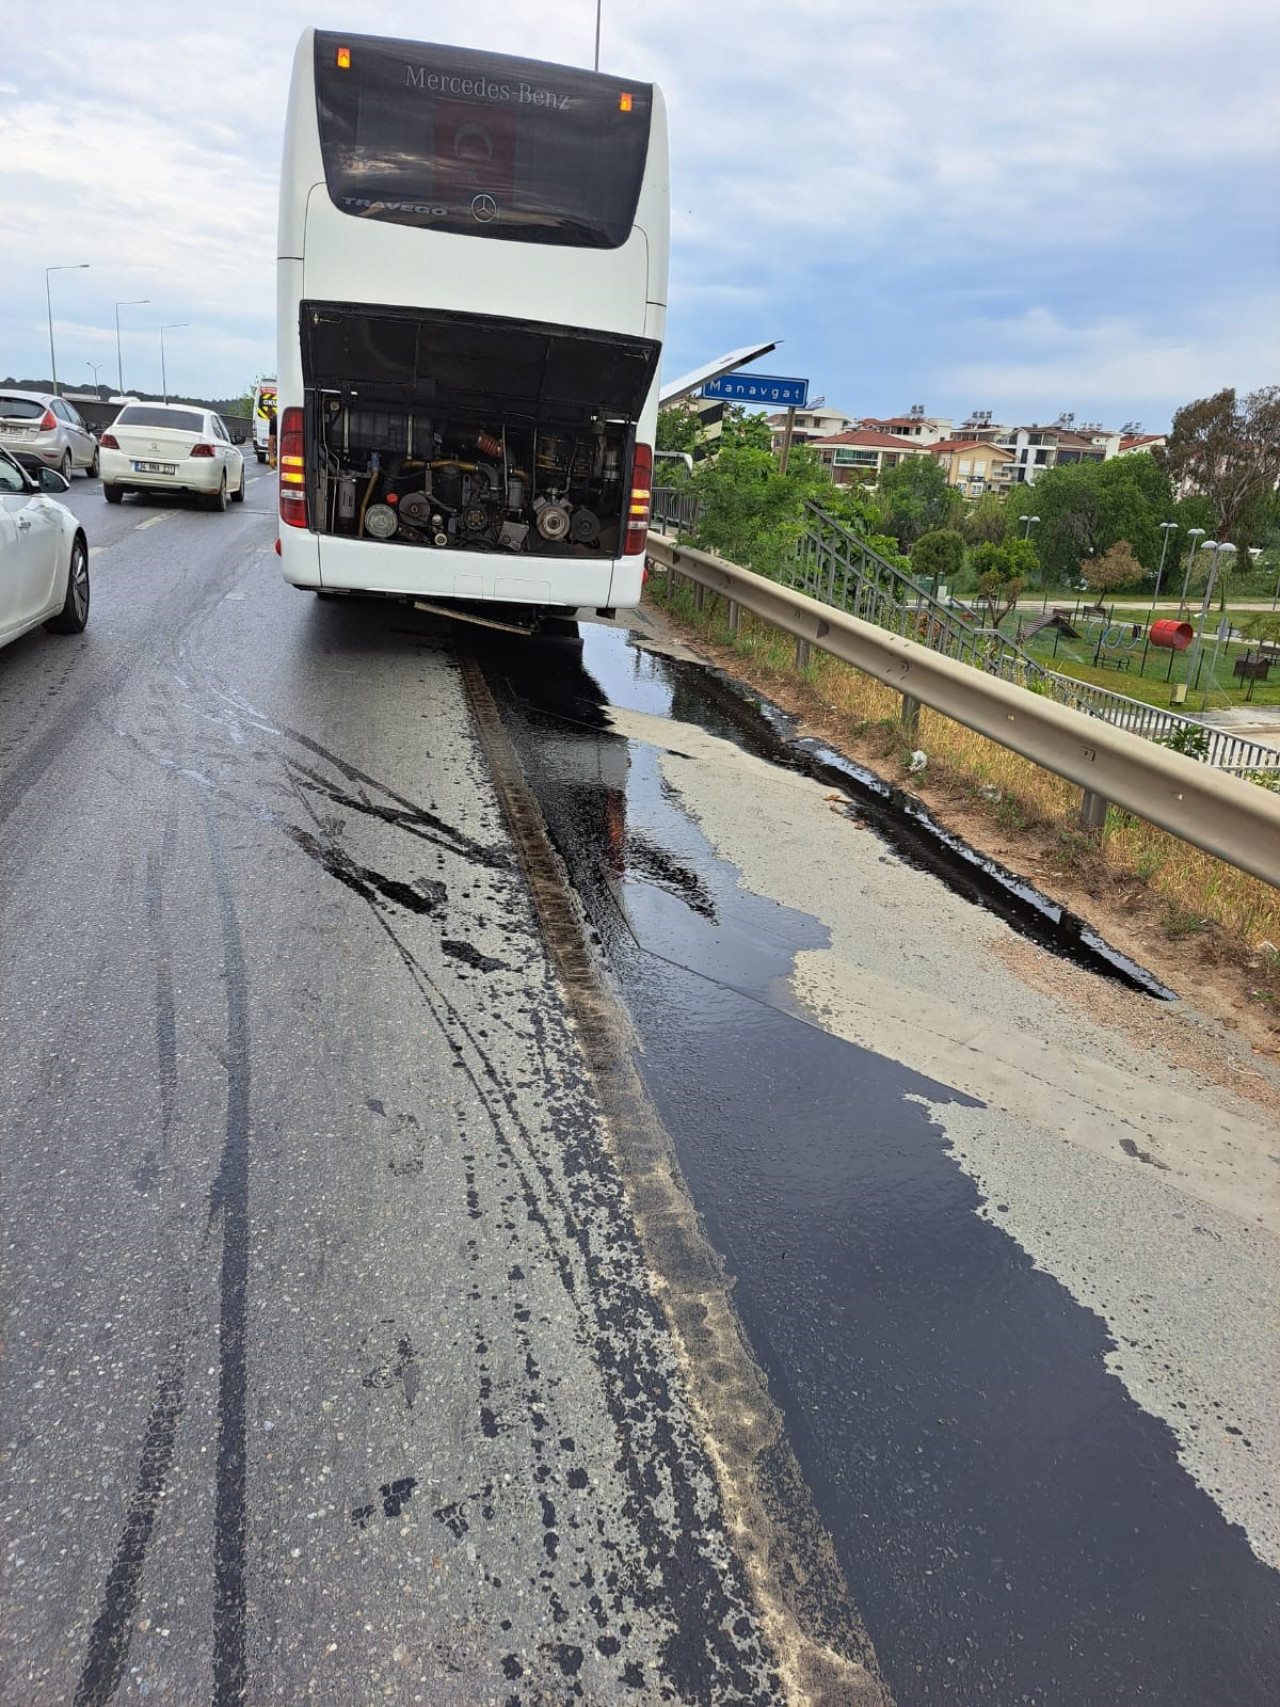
155,468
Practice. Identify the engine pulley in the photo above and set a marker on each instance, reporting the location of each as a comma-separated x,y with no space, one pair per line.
585,526
552,520
416,507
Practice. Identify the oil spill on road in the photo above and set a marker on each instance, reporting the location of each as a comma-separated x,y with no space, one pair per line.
1012,1525
709,697
471,956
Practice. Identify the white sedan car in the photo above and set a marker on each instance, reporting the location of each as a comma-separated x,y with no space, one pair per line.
170,447
44,556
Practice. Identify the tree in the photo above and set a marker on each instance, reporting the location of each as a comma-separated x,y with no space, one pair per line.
679,428
1230,452
1262,625
938,556
916,499
747,511
1116,568
748,429
1000,581
1087,507
985,520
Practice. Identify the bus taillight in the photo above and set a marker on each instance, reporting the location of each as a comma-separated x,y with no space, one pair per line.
293,491
638,507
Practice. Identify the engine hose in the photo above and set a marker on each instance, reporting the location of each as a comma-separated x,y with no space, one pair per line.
452,462
488,444
364,502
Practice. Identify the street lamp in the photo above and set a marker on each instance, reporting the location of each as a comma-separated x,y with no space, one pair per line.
70,267
1218,548
173,326
1195,535
137,302
1166,528
97,367
599,3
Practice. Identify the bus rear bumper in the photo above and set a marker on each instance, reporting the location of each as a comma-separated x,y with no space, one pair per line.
413,572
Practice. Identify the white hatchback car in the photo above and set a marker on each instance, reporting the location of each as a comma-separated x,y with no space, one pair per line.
44,556
170,447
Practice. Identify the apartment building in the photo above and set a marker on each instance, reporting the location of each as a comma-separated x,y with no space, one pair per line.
1036,448
973,466
819,422
915,425
862,454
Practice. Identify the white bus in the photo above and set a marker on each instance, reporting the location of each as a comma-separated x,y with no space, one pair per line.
472,296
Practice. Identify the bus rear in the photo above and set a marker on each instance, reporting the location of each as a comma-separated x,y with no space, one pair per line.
472,288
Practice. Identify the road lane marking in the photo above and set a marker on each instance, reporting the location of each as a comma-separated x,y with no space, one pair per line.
150,522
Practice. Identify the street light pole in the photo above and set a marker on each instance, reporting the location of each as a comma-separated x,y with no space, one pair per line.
137,302
70,267
1217,547
173,326
1195,535
599,3
1166,528
97,386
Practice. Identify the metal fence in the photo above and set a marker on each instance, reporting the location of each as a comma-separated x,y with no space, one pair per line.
833,564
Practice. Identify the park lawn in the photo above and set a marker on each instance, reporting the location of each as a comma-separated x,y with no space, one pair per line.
1075,658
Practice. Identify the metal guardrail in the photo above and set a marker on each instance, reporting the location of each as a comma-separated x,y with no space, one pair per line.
833,564
1226,816
1223,751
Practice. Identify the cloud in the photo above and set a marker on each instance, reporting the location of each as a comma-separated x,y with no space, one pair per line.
855,176
1115,362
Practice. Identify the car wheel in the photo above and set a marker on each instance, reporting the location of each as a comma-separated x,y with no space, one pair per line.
95,465
113,494
237,497
75,607
219,499
260,454
64,467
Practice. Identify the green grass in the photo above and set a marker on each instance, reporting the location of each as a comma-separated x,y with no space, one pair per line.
1146,679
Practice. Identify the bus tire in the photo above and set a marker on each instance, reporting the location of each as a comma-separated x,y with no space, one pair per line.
260,454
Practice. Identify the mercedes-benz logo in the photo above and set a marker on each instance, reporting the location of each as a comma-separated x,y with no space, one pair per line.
484,208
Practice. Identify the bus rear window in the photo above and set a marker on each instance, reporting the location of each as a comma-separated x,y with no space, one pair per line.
477,143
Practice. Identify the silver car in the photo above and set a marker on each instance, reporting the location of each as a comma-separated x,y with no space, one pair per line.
40,424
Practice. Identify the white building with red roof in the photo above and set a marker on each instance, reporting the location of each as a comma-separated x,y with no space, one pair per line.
863,454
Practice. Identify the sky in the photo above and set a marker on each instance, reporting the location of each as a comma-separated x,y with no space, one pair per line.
1016,207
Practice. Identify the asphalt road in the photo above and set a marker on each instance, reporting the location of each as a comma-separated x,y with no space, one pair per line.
363,1341
332,1370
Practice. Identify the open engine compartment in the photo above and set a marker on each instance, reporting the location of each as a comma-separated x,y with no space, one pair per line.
470,434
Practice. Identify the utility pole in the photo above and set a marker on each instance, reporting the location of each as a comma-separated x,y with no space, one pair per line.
785,453
136,303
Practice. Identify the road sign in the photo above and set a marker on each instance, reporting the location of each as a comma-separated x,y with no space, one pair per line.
759,388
